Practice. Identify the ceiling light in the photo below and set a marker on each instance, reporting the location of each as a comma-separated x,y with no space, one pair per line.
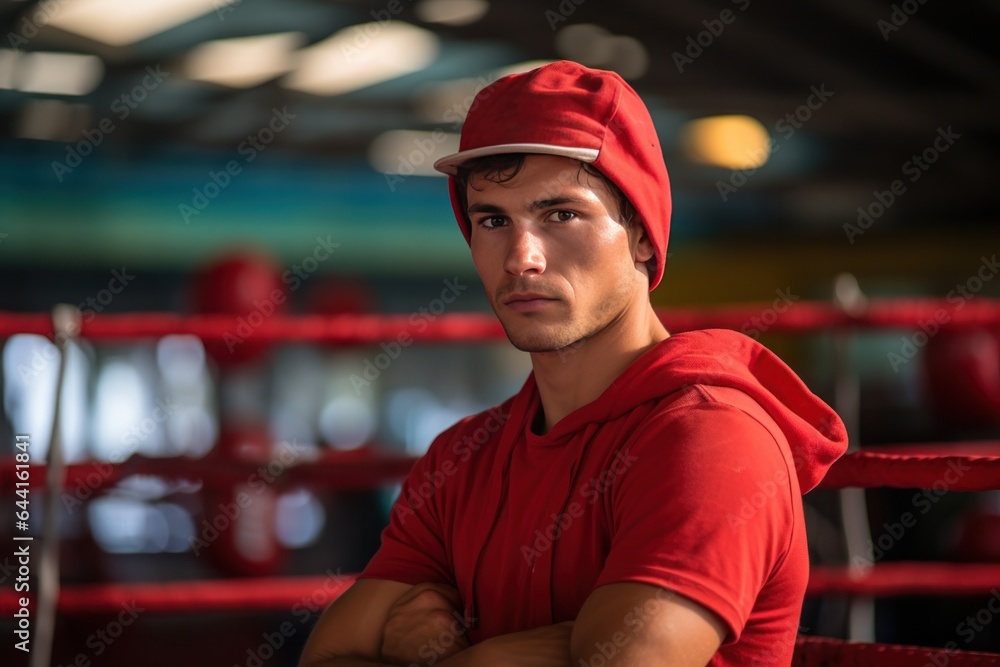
452,12
361,56
8,59
58,73
732,142
526,66
245,61
121,22
449,101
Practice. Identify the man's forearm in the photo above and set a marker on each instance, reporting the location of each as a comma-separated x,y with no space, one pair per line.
466,658
550,642
345,662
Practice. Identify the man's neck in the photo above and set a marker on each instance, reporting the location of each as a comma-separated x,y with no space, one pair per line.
574,376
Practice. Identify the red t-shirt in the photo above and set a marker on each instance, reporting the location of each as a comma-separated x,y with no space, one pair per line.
685,474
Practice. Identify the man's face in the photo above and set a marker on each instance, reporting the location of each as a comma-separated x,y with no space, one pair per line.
556,263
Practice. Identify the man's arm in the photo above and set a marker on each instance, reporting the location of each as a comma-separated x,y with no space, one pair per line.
381,622
638,624
420,622
349,633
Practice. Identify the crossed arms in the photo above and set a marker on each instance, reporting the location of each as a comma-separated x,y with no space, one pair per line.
378,622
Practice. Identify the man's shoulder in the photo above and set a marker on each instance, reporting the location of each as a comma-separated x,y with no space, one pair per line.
474,431
703,418
700,399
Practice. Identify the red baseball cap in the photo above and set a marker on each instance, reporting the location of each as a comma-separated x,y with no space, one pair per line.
566,109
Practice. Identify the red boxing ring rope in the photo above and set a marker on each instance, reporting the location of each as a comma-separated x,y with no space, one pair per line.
959,466
971,466
353,470
904,579
951,466
278,593
821,652
805,316
179,597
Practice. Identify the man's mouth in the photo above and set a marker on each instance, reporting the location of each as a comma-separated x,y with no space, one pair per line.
528,301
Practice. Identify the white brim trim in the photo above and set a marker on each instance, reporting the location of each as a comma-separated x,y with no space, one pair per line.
450,163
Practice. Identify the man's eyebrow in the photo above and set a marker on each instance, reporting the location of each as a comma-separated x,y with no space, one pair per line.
556,201
540,204
484,208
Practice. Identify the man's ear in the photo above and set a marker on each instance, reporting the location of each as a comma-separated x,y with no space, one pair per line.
643,248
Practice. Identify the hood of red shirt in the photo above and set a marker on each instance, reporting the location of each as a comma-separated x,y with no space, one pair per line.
725,358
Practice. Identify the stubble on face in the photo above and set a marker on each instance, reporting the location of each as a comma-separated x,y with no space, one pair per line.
575,317
533,334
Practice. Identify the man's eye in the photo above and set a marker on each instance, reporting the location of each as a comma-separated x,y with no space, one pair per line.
491,222
562,216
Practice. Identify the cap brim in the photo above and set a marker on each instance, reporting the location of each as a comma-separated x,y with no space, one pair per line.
450,163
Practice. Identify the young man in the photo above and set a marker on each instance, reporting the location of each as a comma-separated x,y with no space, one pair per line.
638,502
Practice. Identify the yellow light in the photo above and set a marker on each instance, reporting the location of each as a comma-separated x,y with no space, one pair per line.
449,101
121,22
732,142
452,12
361,56
526,66
50,73
245,61
8,62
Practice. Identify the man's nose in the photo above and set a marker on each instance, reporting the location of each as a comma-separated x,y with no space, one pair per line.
525,252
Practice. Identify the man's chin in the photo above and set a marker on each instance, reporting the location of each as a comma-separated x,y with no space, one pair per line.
539,342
